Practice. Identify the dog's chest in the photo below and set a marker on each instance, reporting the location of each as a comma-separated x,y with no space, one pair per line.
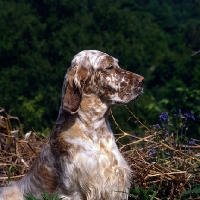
102,154
96,165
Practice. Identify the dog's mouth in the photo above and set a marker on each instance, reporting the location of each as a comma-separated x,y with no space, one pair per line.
140,89
137,96
139,93
122,102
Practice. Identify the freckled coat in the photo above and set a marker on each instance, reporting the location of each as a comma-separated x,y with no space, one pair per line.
81,160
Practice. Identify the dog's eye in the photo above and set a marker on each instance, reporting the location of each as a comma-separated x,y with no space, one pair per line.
109,67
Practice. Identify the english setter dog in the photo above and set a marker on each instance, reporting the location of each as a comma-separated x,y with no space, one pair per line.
81,160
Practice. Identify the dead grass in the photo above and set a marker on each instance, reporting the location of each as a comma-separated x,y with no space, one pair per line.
17,151
171,170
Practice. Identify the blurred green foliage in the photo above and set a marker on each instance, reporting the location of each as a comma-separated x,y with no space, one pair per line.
155,38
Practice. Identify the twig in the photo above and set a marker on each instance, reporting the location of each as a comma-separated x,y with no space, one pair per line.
19,141
12,177
117,124
137,119
170,173
195,53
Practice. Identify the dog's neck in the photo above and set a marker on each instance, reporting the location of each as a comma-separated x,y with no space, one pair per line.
92,112
90,118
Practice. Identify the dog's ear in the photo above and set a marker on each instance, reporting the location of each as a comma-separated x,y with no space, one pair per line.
72,88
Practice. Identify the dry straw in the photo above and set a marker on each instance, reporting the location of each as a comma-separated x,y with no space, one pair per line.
17,151
153,159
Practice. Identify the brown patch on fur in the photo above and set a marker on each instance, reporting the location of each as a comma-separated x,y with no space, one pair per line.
71,99
64,146
48,175
71,130
108,61
82,76
123,84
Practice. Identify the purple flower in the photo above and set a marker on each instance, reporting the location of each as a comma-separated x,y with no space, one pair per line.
164,118
188,115
156,127
152,151
179,111
166,131
191,142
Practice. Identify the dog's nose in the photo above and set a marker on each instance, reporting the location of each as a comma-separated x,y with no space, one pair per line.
140,79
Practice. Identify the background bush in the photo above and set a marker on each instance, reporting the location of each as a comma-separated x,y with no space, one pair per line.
154,38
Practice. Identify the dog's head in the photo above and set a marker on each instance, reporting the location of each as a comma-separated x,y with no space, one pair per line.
96,73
